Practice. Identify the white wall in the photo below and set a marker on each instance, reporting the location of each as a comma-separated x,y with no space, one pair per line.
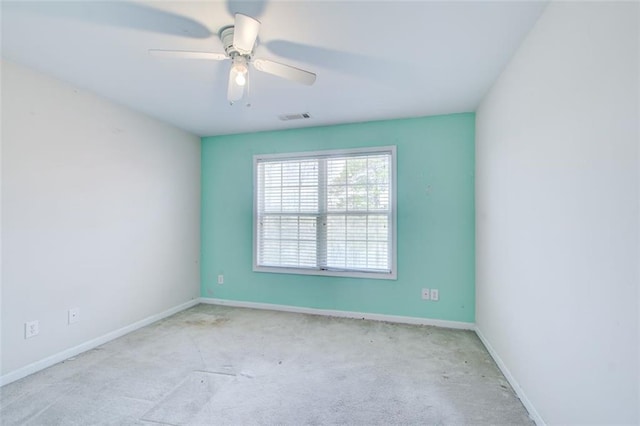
558,216
100,211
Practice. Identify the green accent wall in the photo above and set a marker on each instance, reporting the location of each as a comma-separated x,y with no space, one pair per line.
435,211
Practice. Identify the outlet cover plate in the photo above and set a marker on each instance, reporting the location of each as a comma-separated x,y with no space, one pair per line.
435,295
31,329
74,315
425,294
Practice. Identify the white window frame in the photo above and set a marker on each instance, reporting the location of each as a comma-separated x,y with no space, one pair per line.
392,275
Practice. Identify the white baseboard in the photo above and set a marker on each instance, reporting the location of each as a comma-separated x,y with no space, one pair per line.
341,314
533,413
83,347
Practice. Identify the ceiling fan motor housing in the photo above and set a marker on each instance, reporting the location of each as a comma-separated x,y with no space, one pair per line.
226,35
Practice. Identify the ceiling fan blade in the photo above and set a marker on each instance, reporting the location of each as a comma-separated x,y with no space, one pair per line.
285,71
247,7
121,14
234,91
245,33
186,54
377,68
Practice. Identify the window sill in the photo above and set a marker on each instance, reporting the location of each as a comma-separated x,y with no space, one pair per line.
326,273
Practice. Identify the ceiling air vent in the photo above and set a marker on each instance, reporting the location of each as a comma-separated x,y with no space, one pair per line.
287,117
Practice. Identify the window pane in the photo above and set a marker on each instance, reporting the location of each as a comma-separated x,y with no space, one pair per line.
336,254
357,228
309,199
378,197
288,253
270,252
289,228
336,228
307,251
336,171
288,241
357,171
291,174
290,199
309,173
357,197
356,254
272,200
307,229
378,228
272,174
337,198
358,242
378,169
377,255
271,228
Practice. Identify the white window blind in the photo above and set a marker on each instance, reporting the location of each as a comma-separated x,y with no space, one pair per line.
328,213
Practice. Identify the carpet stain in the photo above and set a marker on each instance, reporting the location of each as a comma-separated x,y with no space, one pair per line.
207,322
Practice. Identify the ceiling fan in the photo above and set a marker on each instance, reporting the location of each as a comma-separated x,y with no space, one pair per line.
239,41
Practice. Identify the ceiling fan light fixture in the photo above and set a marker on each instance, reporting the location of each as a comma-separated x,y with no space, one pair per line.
238,79
240,70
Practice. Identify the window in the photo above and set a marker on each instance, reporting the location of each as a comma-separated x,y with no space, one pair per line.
326,213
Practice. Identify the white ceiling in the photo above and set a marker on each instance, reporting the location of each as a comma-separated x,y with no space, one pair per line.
374,59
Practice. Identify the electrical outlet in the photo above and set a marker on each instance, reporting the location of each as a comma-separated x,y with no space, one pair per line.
74,315
425,294
31,329
220,279
435,295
